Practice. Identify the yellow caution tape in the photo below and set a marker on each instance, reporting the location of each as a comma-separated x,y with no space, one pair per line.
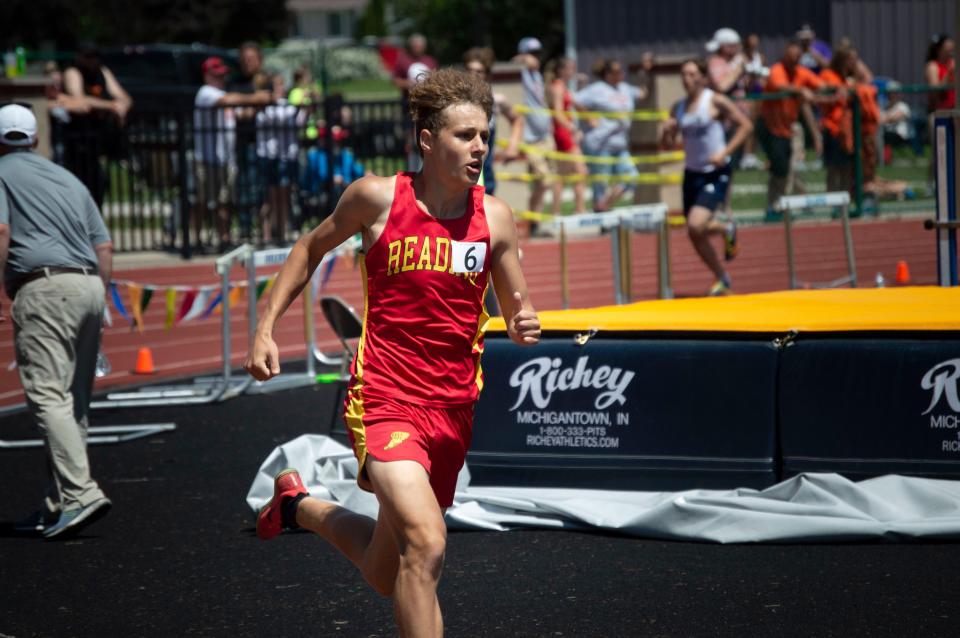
649,115
534,216
654,158
642,178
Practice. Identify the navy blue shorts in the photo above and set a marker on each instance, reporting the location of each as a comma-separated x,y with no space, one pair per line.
708,190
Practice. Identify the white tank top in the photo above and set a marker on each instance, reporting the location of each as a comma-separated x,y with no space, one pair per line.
702,134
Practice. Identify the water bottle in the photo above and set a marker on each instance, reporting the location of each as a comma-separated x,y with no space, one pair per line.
10,64
60,114
103,365
21,57
880,281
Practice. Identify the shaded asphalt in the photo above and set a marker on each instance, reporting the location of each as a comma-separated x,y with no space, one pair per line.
178,556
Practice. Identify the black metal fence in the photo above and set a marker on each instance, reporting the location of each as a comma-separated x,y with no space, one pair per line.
201,180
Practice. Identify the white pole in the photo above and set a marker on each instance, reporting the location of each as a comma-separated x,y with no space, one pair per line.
570,27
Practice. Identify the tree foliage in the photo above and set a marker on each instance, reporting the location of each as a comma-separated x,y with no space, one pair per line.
64,23
453,26
373,19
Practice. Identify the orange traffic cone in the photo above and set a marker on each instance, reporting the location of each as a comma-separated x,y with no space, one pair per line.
903,273
144,362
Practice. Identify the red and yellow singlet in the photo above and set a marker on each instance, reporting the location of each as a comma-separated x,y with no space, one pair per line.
424,281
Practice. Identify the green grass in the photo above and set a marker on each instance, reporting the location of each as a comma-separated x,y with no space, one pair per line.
366,89
749,187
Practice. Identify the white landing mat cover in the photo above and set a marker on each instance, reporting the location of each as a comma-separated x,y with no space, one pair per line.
805,508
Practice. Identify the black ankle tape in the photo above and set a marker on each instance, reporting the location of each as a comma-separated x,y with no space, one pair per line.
288,510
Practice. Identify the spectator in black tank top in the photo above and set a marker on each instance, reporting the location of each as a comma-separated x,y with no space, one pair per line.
97,134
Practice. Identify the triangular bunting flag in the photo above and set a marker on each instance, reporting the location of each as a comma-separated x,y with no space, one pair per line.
145,300
235,295
171,303
200,302
135,296
213,304
117,302
261,286
188,298
269,285
234,298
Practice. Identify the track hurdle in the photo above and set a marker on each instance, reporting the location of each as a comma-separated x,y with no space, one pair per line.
648,218
204,389
286,380
790,203
100,435
226,385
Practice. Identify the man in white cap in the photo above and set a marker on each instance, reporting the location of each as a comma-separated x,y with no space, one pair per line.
415,53
726,62
56,256
537,126
816,53
417,72
726,74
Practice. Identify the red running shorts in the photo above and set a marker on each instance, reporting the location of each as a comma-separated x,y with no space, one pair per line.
393,430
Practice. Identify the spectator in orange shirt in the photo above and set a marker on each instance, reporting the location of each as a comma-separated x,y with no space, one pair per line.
837,132
869,126
778,116
871,118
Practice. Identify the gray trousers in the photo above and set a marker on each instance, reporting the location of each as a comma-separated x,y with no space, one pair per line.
56,328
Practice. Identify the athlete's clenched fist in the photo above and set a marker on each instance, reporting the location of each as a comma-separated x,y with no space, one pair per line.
263,362
524,326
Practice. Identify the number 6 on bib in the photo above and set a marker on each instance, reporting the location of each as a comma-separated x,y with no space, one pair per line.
468,256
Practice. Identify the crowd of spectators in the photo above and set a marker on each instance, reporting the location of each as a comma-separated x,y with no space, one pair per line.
260,145
815,96
820,84
257,144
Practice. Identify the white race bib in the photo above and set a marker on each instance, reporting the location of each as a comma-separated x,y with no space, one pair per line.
468,256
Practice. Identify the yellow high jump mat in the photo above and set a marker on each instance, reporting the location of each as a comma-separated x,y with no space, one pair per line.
919,308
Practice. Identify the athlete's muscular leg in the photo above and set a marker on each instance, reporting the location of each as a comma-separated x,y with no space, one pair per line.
700,225
611,198
408,504
366,543
539,189
401,553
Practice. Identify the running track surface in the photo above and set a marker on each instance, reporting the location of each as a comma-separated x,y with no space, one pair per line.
178,556
195,347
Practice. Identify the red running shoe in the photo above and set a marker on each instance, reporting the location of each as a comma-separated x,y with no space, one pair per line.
286,484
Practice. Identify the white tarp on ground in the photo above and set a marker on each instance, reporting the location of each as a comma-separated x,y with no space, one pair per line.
806,508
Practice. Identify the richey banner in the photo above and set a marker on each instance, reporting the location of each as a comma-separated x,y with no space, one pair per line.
637,413
871,406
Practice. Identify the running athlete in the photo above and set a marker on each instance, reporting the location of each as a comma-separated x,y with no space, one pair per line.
431,241
698,118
